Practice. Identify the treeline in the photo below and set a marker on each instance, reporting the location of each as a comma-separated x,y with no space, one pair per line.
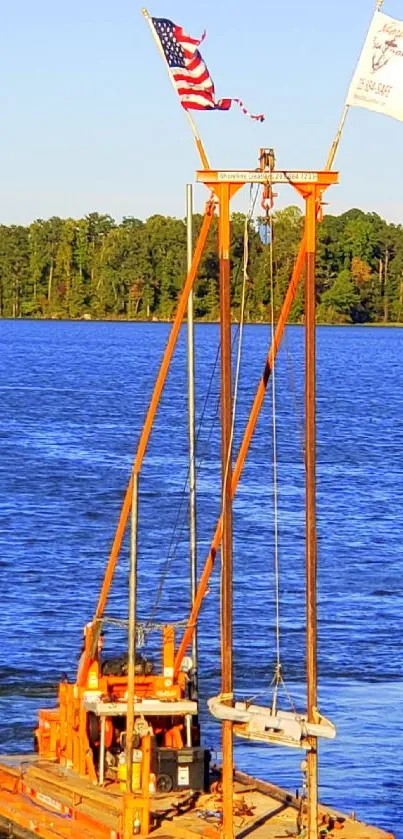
93,267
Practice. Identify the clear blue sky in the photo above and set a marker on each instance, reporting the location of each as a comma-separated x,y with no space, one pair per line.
90,121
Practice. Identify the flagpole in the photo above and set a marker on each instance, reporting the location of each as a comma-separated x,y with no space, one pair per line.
336,141
199,144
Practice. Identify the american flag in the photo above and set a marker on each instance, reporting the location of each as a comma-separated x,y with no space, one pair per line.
192,79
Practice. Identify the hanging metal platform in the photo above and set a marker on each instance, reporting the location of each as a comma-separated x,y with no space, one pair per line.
282,728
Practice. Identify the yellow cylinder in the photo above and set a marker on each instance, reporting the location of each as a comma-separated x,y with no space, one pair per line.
136,772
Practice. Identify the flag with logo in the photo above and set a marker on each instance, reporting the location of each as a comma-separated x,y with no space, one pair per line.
377,83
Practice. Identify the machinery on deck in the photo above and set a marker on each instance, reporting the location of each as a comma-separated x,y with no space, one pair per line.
87,732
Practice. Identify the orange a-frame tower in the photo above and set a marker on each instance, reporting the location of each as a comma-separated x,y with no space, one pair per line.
225,184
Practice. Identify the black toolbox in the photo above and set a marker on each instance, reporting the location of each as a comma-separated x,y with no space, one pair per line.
177,769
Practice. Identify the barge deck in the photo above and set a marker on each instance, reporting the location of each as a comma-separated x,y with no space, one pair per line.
41,798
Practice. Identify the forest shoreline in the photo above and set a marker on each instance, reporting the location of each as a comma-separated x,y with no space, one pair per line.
198,321
95,269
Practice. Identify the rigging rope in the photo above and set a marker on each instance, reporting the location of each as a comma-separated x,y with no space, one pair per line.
143,628
277,680
239,355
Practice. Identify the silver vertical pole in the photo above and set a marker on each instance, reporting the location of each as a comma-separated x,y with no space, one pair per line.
131,670
192,441
102,752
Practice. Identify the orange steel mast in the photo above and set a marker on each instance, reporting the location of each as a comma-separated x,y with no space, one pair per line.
310,505
91,638
311,186
225,192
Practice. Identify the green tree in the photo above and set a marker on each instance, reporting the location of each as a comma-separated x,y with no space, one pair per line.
167,254
98,228
64,265
15,286
92,266
53,232
339,301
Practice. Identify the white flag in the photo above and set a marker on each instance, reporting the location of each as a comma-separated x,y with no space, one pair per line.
378,80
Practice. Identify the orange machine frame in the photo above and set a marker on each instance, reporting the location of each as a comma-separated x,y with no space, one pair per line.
62,733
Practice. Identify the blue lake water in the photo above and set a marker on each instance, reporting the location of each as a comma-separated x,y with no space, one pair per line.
73,398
